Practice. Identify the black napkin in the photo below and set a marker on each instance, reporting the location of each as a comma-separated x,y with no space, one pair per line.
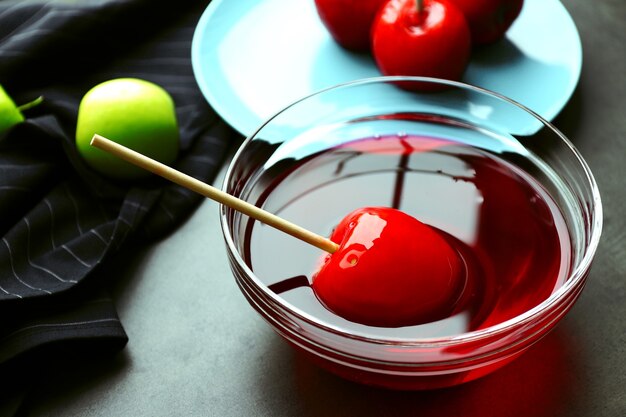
59,220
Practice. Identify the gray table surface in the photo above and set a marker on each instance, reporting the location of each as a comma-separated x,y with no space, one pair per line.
199,348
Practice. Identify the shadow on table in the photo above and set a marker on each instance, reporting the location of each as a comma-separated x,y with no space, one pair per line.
542,382
568,120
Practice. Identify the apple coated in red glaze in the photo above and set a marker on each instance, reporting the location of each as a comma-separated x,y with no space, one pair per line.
489,19
432,43
391,270
349,21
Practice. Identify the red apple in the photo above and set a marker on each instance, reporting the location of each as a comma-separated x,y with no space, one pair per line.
431,41
390,270
349,21
489,19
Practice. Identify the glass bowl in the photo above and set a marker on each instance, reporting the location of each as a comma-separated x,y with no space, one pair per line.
267,264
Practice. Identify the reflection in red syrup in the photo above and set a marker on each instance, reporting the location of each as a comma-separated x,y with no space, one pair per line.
508,233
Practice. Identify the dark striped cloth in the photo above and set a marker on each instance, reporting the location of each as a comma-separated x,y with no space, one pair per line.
60,221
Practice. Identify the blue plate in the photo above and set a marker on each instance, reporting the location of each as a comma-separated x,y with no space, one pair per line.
251,58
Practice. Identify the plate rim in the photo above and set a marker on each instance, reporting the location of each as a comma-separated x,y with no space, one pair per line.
231,118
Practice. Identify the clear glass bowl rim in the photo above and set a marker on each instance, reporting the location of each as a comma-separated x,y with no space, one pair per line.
576,276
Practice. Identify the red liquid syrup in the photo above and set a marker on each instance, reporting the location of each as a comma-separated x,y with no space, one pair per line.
508,231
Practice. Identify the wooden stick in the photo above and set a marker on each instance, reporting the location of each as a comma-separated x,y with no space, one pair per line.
213,193
419,6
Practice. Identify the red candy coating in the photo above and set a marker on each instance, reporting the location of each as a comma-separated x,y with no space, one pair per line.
433,43
391,270
349,21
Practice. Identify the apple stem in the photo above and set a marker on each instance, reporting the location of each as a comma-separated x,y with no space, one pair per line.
30,104
419,6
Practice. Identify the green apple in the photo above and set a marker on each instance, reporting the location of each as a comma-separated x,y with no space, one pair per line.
10,115
134,113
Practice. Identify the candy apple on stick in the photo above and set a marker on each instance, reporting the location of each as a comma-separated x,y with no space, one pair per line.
383,268
390,270
428,38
